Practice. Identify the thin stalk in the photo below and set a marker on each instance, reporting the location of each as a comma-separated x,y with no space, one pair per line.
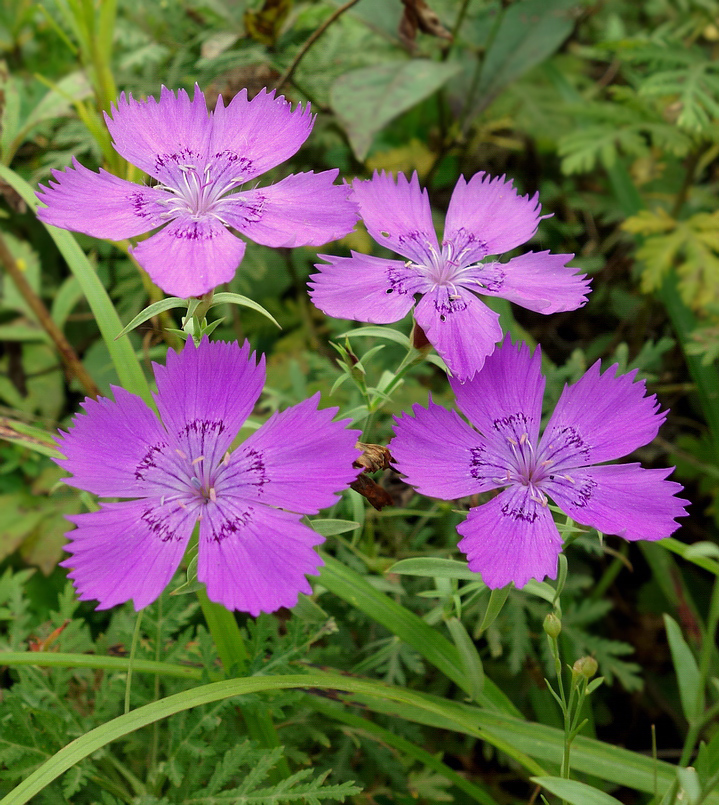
133,651
289,72
68,356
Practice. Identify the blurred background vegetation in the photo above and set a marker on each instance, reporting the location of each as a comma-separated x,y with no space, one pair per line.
609,109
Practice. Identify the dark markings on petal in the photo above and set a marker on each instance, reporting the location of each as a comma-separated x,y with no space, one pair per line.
202,427
396,281
251,212
478,462
452,305
462,242
257,467
239,164
193,230
139,203
184,156
582,493
158,525
572,438
148,460
511,422
492,277
519,514
230,528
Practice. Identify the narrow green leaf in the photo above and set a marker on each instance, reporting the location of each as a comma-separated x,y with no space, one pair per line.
330,528
155,309
682,550
435,568
243,301
51,659
574,792
434,647
691,691
101,736
379,332
340,713
691,787
29,436
496,601
471,661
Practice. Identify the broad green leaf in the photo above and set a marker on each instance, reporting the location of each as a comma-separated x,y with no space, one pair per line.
366,100
691,690
574,792
529,32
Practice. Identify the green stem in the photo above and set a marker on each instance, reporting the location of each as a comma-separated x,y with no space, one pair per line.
133,650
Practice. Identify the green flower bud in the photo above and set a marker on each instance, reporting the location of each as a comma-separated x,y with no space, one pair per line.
586,667
552,625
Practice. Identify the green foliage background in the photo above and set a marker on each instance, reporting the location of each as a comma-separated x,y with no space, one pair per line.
611,111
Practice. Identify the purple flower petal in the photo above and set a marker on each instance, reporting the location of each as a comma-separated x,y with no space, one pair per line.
305,209
441,455
127,550
262,132
512,538
540,281
302,473
487,216
190,257
365,288
398,216
255,559
462,329
205,394
100,204
124,429
599,418
157,136
505,398
623,499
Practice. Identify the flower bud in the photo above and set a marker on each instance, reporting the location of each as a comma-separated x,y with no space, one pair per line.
552,625
585,666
